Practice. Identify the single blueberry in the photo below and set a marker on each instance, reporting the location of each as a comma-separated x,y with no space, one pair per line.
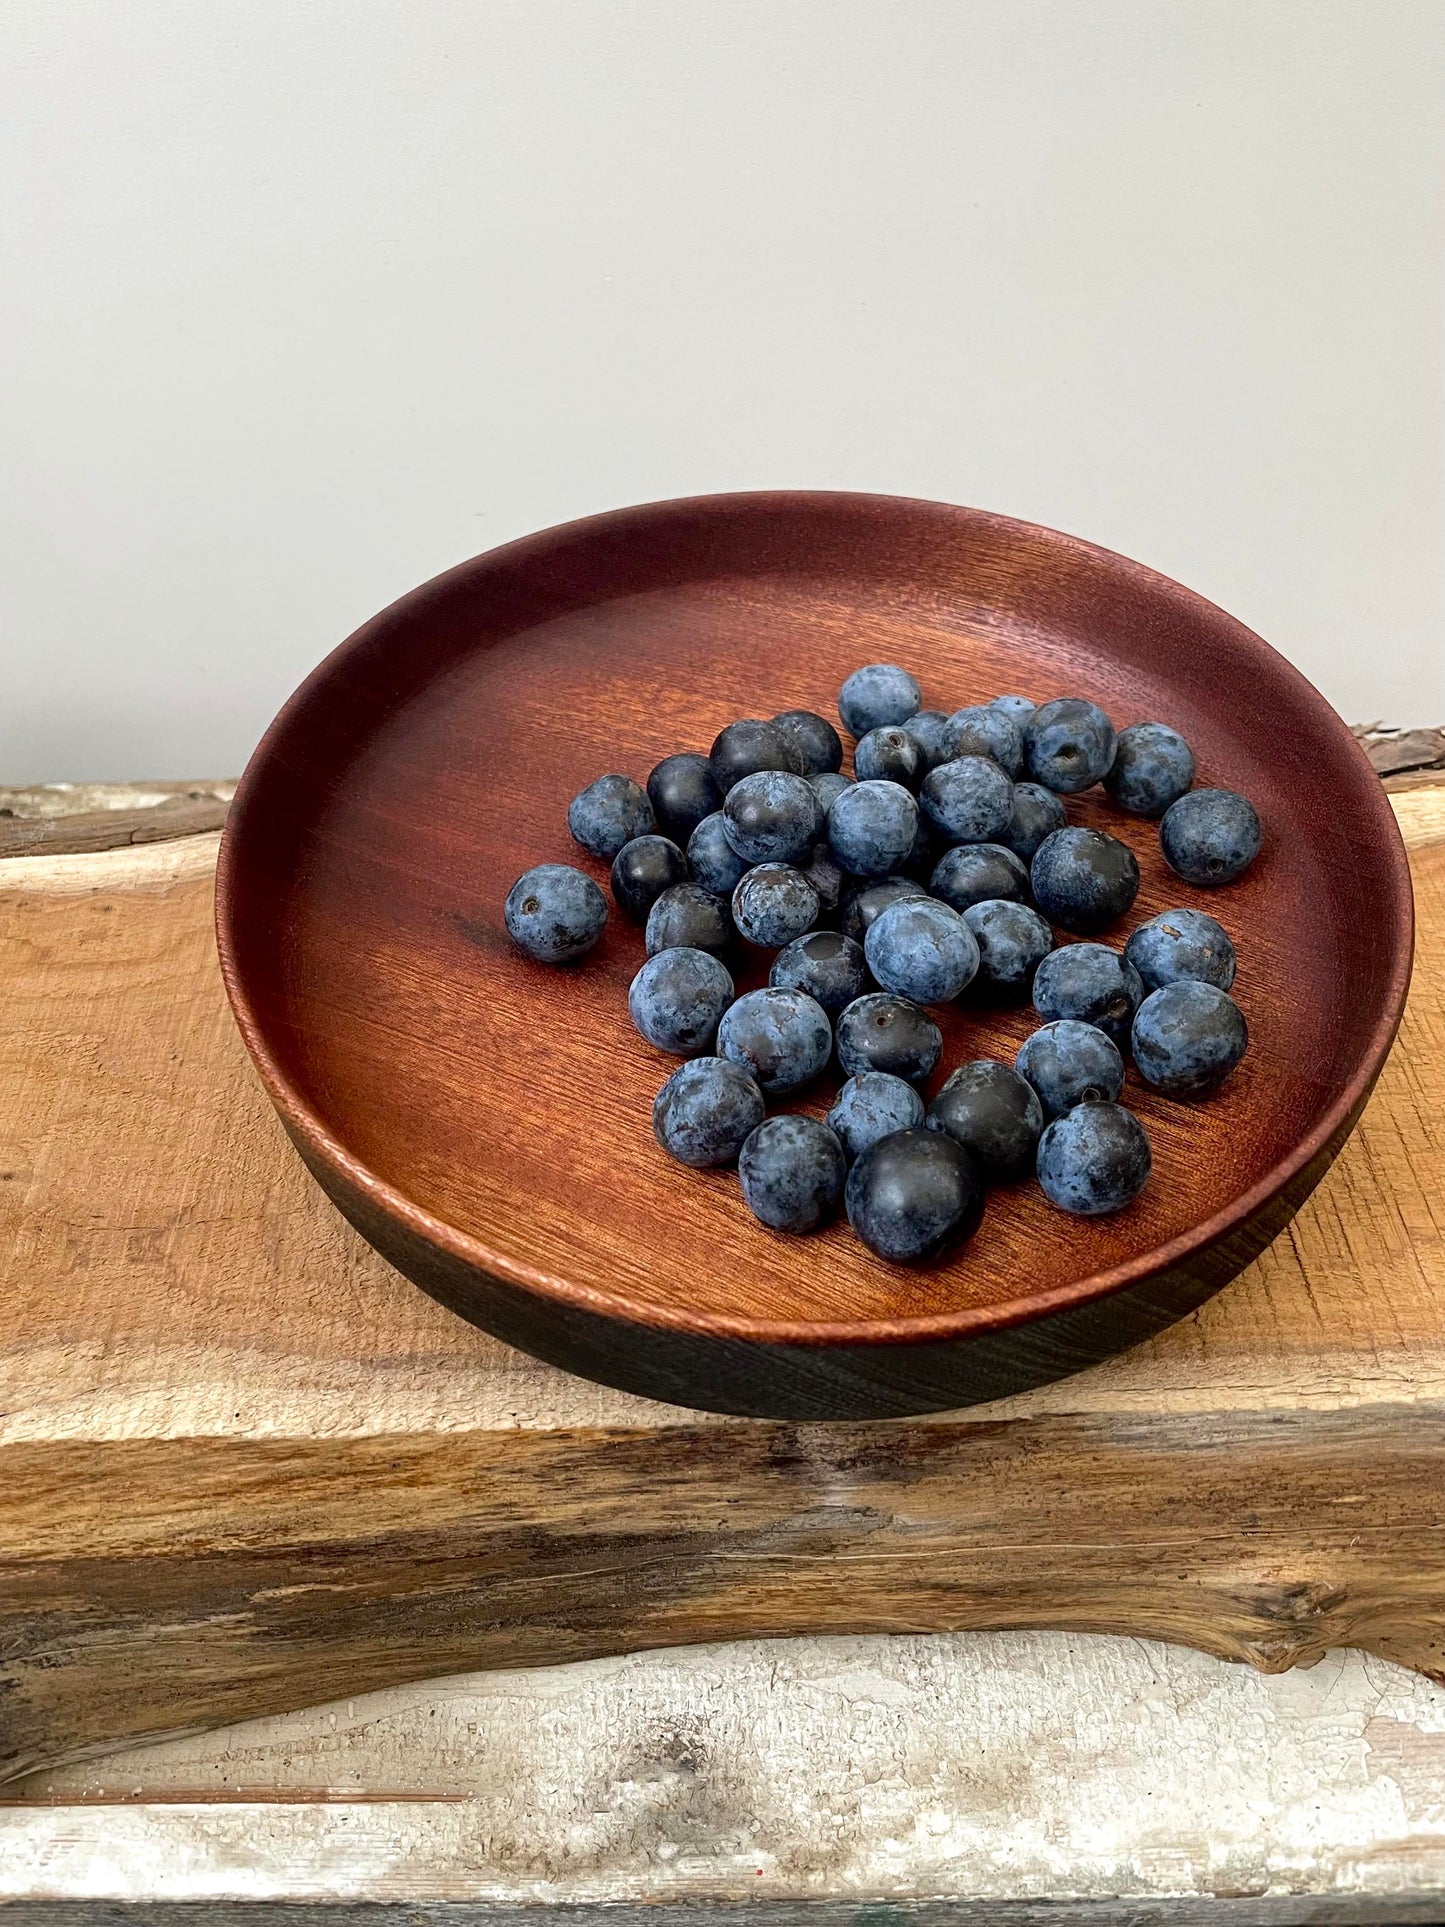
688,918
921,949
889,755
1188,1037
994,1113
682,792
792,1171
1013,941
773,904
745,747
1084,880
881,1032
1210,836
772,816
1181,946
1153,766
706,1111
829,966
871,1106
865,901
829,785
780,1037
554,913
1037,813
609,813
880,694
1093,1160
1070,1063
913,1196
969,799
819,746
677,999
871,828
826,878
715,864
972,873
1092,984
1068,745
642,870
1018,709
929,729
983,729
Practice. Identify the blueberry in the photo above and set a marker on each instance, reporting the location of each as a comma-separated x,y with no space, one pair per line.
1188,1037
1093,1160
913,1196
889,755
1037,813
792,1173
1017,708
969,799
1070,1063
830,967
1084,880
1092,984
880,694
555,913
1181,946
1068,745
994,1113
745,747
688,918
871,828
880,1032
772,816
818,744
706,1111
780,1037
773,904
1153,766
972,873
1210,836
677,998
872,1106
715,864
1013,941
829,786
682,792
609,813
826,878
982,729
921,949
929,729
642,870
866,901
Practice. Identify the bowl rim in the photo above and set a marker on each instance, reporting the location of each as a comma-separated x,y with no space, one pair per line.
308,1128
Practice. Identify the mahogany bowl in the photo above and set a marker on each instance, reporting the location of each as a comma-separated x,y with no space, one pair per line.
485,1121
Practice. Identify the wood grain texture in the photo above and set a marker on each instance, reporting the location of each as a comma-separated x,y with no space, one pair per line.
243,1465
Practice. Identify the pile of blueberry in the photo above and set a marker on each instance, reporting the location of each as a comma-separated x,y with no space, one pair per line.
933,875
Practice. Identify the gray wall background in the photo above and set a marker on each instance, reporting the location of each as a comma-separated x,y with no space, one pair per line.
304,302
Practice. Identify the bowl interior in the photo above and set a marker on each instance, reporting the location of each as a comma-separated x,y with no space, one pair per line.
431,759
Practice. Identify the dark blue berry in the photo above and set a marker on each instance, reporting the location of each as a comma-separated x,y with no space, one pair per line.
866,901
872,1106
1210,836
555,913
1068,745
609,813
1037,813
871,828
715,864
792,1171
1013,941
914,1196
773,904
972,873
969,799
745,747
1093,1160
780,1037
1188,1037
1181,946
1084,880
921,949
1018,709
826,878
689,918
929,729
994,1113
983,729
881,1032
772,816
682,792
706,1111
678,998
889,755
828,965
881,693
829,786
1070,1063
1092,984
819,746
1153,766
642,870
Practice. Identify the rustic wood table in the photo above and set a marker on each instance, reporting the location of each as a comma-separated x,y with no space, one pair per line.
245,1469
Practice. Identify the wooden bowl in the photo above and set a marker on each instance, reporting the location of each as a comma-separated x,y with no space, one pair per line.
485,1121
